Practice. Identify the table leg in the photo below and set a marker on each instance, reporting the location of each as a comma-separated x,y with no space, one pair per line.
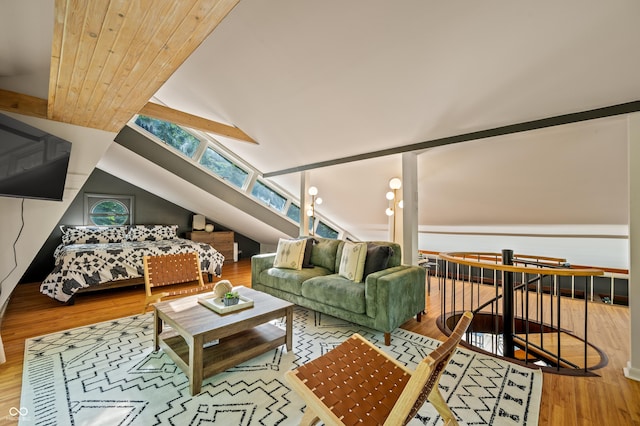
157,329
289,338
195,364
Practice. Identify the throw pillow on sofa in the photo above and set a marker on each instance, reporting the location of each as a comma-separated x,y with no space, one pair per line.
377,258
290,254
352,261
306,261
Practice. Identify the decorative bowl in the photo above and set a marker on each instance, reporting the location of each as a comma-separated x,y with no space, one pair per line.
222,287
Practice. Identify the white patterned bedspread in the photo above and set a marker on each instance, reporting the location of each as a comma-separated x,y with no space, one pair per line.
83,265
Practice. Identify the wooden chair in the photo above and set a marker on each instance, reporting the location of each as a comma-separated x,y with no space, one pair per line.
172,275
357,383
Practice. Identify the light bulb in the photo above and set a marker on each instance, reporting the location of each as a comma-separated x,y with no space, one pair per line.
389,211
390,195
395,183
401,203
313,190
318,200
309,212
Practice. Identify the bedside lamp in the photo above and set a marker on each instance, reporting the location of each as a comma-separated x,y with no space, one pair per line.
198,222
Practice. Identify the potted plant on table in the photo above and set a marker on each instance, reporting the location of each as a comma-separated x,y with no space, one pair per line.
231,298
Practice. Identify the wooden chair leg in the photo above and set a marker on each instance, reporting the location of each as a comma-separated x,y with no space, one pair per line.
387,339
436,399
309,418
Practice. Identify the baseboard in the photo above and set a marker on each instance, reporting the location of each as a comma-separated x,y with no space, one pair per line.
631,372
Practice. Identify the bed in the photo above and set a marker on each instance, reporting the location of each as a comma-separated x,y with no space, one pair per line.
101,257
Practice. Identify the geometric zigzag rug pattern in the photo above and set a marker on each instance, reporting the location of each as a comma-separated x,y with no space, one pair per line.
108,374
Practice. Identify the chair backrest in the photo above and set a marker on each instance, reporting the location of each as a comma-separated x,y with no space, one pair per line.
170,270
427,375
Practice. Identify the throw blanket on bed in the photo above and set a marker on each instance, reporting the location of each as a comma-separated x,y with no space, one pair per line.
83,265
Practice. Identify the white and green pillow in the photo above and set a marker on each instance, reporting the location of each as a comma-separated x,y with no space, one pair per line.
352,261
290,254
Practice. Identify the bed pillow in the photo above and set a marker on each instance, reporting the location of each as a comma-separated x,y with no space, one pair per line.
152,232
92,234
352,261
290,254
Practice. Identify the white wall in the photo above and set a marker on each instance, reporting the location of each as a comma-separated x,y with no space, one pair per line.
595,245
632,369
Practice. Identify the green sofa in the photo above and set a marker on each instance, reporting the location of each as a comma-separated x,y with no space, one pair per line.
384,300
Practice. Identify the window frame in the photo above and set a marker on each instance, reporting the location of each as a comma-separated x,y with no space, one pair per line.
92,199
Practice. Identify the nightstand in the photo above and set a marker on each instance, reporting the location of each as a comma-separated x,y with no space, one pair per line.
219,240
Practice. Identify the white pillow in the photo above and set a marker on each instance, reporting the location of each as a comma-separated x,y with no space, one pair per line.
290,254
352,261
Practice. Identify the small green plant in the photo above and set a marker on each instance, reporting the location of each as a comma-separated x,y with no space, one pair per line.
231,298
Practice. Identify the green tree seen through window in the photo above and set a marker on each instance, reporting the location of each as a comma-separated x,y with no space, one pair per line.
109,212
171,134
224,168
294,213
268,196
324,230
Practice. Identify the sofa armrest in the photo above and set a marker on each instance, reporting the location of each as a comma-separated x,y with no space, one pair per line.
259,263
395,294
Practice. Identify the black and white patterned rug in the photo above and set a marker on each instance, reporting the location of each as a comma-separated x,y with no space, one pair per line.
108,374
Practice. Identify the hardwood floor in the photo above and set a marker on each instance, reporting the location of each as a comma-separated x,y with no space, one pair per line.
609,399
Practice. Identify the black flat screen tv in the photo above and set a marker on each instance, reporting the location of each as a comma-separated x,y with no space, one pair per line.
33,163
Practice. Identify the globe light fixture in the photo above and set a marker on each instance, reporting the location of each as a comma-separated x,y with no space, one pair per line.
311,209
395,184
392,196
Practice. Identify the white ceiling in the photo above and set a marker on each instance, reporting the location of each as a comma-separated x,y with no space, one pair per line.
314,81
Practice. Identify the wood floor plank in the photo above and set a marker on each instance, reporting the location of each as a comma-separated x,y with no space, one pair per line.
609,398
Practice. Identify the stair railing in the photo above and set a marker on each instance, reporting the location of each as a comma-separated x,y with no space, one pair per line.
534,324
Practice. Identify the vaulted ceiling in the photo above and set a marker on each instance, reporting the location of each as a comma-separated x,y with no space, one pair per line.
287,83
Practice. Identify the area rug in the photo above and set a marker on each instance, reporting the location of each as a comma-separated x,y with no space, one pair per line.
108,374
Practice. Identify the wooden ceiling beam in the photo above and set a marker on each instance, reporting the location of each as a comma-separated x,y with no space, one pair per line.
189,120
37,107
23,104
109,58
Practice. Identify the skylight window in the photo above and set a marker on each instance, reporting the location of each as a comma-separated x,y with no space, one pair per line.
293,213
268,196
223,167
324,230
171,134
206,153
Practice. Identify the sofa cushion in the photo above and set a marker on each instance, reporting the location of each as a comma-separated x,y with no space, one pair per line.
337,291
290,254
323,253
378,256
289,280
352,261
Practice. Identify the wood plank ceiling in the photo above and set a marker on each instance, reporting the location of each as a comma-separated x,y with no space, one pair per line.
110,57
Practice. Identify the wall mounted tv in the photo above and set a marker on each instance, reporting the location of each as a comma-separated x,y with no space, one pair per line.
33,163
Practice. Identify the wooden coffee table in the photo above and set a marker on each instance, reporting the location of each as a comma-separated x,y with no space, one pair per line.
242,334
